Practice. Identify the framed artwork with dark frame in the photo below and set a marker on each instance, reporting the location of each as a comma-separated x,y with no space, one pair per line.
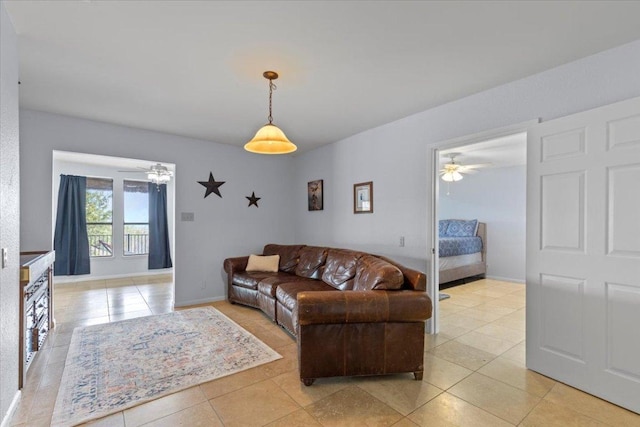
314,195
363,197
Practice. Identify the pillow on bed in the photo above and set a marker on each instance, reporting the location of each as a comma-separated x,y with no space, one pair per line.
442,227
462,228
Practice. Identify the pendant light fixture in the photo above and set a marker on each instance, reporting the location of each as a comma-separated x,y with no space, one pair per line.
270,139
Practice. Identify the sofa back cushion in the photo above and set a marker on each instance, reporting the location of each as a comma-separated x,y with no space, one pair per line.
288,255
413,279
312,259
375,273
340,268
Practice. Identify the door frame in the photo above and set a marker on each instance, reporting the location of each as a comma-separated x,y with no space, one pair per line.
433,287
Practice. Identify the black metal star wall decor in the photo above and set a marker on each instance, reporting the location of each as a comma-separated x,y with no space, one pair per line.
253,200
212,186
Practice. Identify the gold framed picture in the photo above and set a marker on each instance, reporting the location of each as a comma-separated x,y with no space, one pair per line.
363,197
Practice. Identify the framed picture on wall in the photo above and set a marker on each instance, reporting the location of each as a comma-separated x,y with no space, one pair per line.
363,197
314,195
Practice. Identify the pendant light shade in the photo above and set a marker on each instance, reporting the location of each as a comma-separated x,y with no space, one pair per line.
270,139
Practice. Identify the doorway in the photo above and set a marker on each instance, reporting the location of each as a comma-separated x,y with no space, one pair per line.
491,191
117,247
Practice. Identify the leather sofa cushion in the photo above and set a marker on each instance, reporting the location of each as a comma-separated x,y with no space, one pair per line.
312,258
413,279
268,285
340,268
375,273
287,293
250,279
288,255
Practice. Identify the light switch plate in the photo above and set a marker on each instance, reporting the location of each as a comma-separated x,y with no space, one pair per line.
187,216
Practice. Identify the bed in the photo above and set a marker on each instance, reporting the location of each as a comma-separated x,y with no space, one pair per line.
462,248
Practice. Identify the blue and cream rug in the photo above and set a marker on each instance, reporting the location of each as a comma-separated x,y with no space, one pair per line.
115,366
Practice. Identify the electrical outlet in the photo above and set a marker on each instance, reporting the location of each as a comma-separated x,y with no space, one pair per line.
402,241
187,216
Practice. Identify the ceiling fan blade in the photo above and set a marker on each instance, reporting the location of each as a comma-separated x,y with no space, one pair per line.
476,166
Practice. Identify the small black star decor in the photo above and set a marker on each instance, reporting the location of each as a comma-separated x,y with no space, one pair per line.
212,186
253,200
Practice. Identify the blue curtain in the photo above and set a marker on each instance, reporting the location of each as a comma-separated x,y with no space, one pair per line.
70,240
159,251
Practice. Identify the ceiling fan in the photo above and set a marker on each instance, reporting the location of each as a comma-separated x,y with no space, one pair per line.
158,173
453,171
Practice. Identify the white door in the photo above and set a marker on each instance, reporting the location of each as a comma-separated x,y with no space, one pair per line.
583,251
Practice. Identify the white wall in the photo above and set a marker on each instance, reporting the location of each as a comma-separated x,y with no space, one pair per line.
497,197
9,215
117,265
396,156
223,227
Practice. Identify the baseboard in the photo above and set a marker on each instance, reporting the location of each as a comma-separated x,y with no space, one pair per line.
198,301
89,278
6,421
506,279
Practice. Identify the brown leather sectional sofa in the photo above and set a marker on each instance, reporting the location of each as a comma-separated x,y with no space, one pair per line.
352,313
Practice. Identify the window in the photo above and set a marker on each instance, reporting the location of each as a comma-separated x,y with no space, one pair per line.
136,218
100,216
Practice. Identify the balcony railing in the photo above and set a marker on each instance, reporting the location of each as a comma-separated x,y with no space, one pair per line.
100,245
136,244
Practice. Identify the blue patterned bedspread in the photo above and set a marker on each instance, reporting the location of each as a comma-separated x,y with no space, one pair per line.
452,246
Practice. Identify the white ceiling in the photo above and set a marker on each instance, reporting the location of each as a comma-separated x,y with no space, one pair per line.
109,161
194,68
500,152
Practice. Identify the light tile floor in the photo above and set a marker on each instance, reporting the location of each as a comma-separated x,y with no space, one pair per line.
474,371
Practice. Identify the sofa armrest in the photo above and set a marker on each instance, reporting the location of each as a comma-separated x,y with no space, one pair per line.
234,265
318,307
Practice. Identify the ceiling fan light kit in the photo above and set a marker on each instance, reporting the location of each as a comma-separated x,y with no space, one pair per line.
452,176
159,174
450,171
453,171
270,139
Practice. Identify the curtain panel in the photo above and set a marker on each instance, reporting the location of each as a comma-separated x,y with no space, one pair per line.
159,249
70,240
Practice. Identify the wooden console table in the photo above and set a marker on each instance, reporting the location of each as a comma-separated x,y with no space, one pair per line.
36,305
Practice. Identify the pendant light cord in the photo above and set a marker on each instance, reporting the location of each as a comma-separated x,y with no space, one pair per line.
272,87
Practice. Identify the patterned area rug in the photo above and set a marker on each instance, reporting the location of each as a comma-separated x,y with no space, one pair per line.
118,365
